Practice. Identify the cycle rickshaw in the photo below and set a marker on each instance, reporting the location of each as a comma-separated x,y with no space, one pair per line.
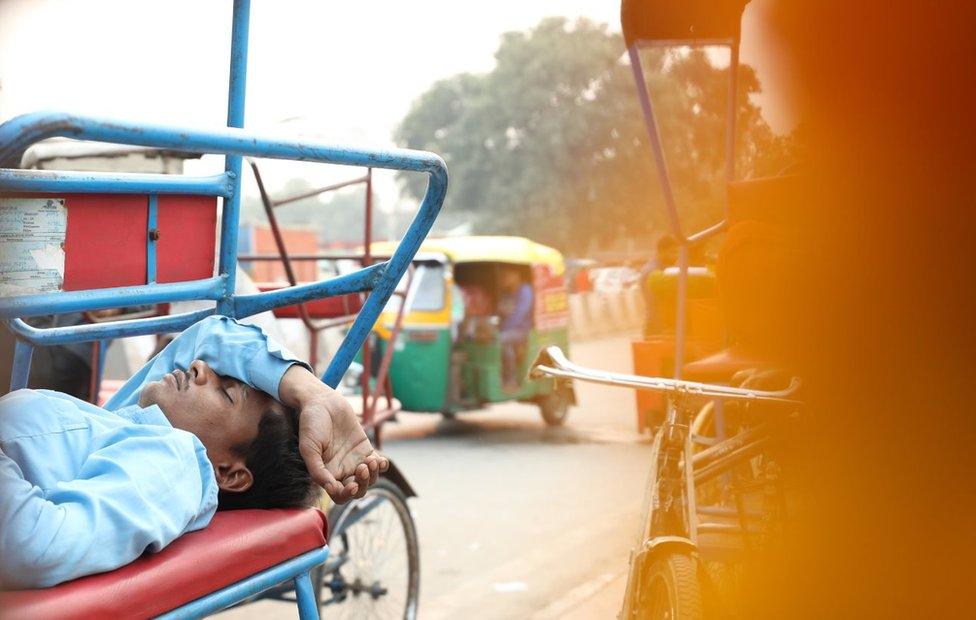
718,490
90,241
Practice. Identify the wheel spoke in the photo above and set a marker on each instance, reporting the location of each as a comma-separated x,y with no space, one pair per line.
380,550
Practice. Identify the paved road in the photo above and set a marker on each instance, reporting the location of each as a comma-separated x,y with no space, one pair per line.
517,520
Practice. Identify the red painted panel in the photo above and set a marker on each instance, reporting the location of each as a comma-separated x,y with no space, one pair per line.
105,244
327,308
187,238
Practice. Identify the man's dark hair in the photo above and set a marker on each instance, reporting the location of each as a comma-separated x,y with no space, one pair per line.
281,479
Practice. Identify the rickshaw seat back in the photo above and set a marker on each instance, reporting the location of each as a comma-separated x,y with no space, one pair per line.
754,269
110,237
765,199
237,544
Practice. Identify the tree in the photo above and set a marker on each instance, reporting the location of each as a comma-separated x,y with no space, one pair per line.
551,143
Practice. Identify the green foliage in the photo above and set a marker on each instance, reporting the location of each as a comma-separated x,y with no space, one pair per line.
551,144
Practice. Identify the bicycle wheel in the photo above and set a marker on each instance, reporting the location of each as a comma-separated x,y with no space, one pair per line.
554,407
373,570
671,590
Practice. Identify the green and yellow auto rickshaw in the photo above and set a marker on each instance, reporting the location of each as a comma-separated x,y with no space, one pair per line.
448,356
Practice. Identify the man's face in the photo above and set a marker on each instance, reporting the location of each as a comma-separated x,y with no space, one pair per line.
222,412
510,280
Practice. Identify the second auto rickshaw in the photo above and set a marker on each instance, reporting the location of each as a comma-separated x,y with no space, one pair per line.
449,354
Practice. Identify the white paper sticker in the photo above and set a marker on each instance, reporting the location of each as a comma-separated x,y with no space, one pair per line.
32,234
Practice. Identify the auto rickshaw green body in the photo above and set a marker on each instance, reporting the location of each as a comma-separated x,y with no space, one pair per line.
448,356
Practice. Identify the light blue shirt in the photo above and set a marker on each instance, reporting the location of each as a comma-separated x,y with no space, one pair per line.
86,489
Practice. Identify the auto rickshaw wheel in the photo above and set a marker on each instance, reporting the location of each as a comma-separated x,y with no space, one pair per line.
554,407
671,589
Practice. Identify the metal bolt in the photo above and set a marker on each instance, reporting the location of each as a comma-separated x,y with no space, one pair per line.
154,234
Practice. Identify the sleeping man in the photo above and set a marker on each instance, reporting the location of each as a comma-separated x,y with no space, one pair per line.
222,418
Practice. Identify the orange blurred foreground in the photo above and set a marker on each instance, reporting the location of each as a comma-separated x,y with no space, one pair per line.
880,319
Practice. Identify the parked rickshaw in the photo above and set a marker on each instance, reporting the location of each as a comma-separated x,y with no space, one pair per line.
719,488
448,356
129,239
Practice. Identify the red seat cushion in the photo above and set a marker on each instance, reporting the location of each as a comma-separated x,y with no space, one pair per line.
236,545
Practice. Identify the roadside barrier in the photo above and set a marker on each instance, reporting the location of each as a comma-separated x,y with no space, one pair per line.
601,313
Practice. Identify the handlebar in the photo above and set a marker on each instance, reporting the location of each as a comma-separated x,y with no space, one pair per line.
551,362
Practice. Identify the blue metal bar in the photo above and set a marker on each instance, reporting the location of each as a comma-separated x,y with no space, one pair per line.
236,91
46,181
730,127
255,584
356,282
237,84
21,369
654,136
307,608
396,267
152,235
22,131
96,299
106,331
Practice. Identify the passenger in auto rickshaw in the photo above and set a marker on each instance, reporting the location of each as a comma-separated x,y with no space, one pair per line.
222,418
515,312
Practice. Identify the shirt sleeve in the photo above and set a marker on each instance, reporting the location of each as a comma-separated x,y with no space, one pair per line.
133,493
244,352
521,315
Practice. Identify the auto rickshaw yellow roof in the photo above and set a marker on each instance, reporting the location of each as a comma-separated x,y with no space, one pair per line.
478,249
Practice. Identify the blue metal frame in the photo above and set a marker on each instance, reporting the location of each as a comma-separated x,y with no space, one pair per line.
152,236
296,569
380,279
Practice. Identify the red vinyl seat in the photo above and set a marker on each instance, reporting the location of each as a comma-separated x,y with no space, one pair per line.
236,545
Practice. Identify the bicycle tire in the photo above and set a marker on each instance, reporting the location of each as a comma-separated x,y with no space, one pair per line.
554,407
348,583
671,589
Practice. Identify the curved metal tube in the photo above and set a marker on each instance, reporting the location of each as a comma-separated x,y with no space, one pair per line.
22,131
106,331
552,362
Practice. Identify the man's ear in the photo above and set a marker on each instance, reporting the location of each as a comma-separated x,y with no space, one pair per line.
234,477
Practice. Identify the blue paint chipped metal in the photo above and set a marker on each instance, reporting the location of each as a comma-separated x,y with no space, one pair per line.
152,237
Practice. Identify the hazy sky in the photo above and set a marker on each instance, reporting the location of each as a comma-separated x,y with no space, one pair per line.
345,71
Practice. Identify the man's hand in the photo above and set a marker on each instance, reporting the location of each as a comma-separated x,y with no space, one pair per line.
336,450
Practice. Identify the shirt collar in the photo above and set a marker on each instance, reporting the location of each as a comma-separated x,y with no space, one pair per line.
152,415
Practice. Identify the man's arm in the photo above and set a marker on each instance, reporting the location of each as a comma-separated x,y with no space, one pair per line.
232,349
137,492
336,450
